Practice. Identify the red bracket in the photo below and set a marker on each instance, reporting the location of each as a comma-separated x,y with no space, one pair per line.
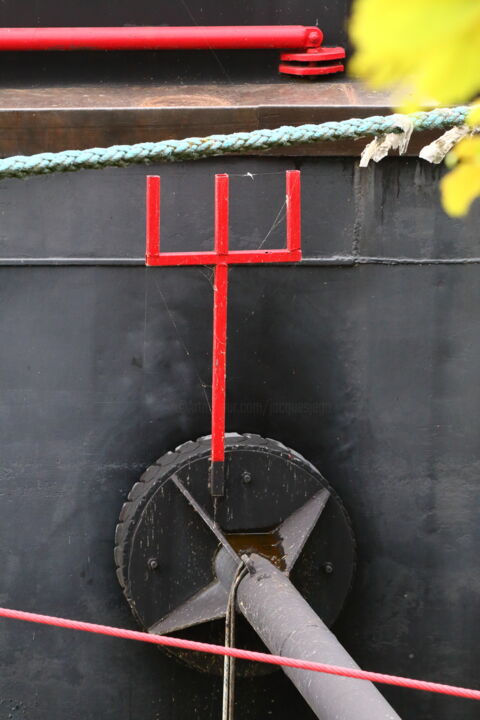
307,39
314,61
221,257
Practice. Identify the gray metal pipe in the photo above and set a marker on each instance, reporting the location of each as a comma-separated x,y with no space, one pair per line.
288,626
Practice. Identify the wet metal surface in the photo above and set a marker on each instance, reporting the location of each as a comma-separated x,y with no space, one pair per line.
267,544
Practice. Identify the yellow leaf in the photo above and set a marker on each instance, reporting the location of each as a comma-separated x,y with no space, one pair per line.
474,115
428,49
462,184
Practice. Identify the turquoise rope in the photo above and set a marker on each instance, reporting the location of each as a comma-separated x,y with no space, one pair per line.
241,142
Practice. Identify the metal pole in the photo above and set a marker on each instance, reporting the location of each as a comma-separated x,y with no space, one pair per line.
219,352
288,626
162,38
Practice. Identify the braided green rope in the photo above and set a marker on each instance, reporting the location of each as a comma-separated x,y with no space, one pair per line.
241,142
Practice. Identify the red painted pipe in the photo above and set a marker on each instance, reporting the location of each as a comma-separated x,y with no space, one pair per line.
162,38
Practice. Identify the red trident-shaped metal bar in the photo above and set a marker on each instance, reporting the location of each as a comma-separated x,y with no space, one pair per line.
221,257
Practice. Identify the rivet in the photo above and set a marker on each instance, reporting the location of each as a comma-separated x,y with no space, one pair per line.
246,477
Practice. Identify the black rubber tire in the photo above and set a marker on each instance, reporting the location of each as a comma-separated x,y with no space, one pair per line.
170,463
143,492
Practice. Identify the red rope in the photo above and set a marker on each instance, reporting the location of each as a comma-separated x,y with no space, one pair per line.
242,654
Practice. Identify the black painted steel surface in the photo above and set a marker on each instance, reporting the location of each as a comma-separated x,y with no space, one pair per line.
370,371
53,13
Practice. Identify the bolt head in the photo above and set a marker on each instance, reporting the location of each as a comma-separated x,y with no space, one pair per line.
328,568
246,477
152,564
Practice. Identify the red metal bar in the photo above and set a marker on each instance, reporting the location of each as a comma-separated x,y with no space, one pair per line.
221,257
219,362
178,258
294,230
153,218
220,293
234,257
161,38
221,214
313,62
